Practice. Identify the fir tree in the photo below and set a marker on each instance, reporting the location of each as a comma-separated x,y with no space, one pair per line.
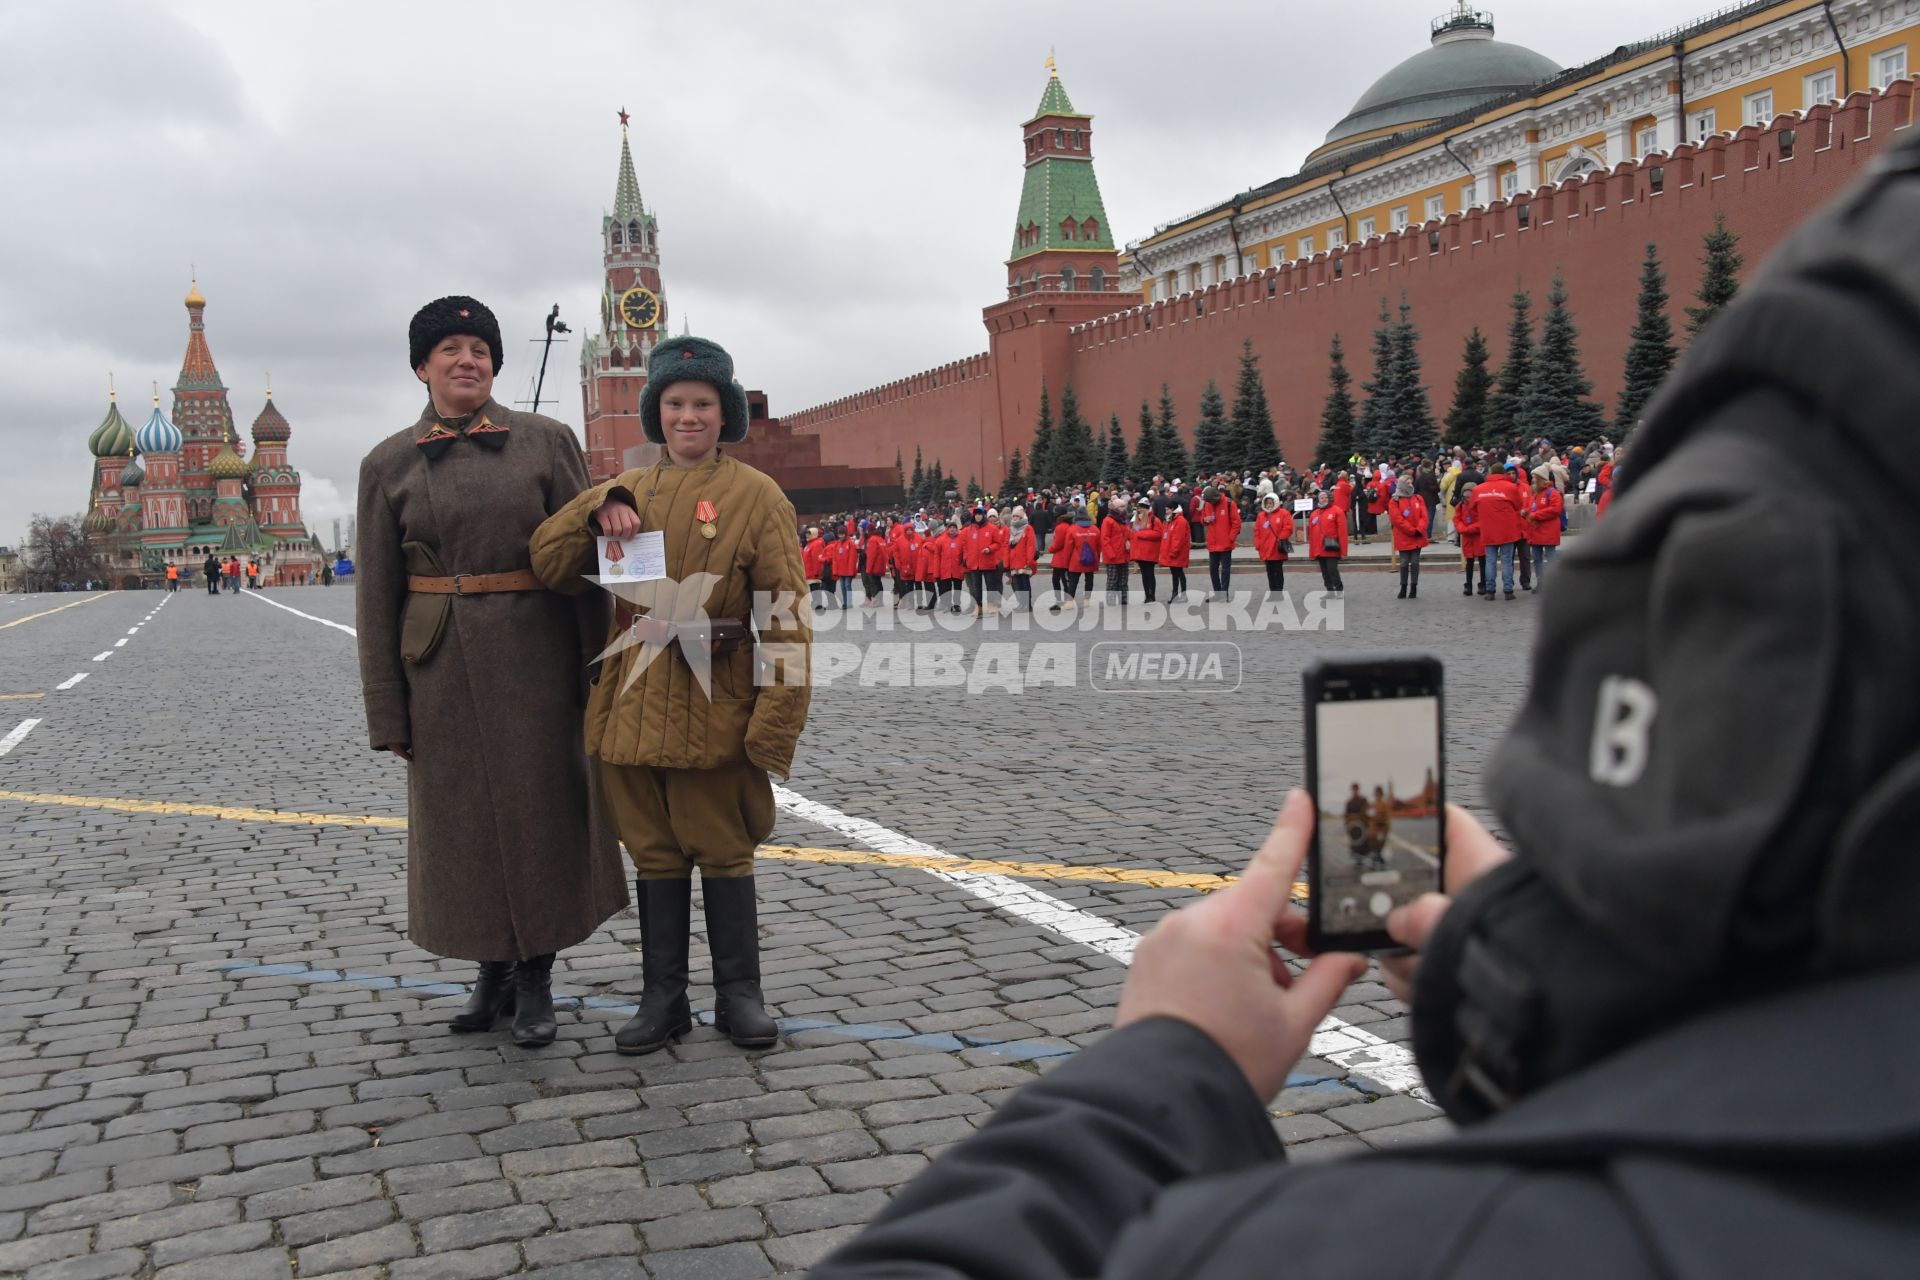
1383,393
1257,447
1173,449
899,471
1210,432
1040,460
1503,405
974,493
1650,354
919,489
1147,459
1719,282
936,483
1557,403
1411,429
1113,465
1015,484
1467,419
1336,417
1076,459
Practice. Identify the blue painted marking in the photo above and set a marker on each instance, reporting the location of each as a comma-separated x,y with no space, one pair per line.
935,1042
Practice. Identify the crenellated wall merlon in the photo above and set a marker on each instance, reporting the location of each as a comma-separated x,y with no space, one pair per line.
937,379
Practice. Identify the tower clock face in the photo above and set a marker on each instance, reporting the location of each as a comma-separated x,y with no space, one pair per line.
639,308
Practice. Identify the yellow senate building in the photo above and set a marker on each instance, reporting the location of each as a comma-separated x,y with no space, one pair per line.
1472,119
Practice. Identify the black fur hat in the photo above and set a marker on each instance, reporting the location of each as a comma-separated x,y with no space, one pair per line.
693,360
450,315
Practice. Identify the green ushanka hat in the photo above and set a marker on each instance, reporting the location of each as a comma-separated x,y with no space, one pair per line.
693,360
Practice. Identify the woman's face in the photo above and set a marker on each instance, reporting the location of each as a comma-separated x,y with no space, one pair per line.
690,419
458,373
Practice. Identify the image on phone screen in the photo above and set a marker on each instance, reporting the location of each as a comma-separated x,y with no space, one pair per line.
1379,797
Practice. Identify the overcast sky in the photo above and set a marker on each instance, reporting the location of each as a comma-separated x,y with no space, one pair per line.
834,181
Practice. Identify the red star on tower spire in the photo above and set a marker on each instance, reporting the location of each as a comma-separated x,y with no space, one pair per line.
623,117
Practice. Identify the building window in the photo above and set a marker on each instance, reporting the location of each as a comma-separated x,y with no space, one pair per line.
1399,218
1509,183
1060,139
1366,229
1090,230
1436,208
1701,125
1336,236
1889,66
1306,246
1759,107
1469,196
1066,279
1647,141
1820,87
1069,229
1097,280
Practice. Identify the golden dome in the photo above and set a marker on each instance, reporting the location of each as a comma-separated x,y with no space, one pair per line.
227,465
193,295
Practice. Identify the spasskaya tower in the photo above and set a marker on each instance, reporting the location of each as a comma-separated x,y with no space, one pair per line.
633,316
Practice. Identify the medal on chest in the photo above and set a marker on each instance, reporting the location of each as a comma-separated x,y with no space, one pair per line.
706,515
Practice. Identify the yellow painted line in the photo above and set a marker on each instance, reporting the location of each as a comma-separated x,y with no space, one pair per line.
48,613
15,697
1200,883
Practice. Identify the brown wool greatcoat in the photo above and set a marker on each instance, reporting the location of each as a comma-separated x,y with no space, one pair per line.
665,720
508,855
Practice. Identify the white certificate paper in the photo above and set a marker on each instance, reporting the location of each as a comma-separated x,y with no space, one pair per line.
1299,504
641,558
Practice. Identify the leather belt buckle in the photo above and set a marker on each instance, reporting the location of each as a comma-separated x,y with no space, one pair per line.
456,583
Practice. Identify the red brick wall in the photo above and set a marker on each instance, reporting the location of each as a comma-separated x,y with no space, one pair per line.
951,413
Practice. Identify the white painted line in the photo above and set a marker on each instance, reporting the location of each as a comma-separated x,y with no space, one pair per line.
18,736
1388,1064
325,622
69,683
135,631
120,643
102,657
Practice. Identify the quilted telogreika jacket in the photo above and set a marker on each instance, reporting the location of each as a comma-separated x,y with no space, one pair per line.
663,718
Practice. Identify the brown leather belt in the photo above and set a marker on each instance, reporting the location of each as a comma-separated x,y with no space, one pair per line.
722,635
477,584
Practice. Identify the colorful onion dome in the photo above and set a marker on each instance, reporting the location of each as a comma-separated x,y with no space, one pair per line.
271,426
227,465
133,474
113,437
98,520
156,434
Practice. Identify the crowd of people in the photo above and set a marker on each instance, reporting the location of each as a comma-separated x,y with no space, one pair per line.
1504,509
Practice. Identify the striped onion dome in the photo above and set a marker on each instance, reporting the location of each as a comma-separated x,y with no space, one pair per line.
113,437
271,425
133,473
156,434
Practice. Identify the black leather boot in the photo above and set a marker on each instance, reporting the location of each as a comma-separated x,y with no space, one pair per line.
733,936
533,1024
665,908
492,997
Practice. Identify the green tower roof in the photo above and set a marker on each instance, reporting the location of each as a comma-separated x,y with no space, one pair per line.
1058,188
1054,101
627,205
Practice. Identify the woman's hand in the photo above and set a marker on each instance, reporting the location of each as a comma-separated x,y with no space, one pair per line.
1471,853
616,519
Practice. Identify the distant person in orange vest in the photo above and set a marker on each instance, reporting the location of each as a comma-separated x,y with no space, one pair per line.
173,578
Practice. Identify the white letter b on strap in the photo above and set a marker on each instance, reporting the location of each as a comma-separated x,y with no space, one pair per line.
1622,731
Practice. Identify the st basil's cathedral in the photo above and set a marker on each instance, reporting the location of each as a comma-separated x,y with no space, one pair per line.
175,490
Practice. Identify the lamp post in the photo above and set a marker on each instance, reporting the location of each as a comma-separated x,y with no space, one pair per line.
554,325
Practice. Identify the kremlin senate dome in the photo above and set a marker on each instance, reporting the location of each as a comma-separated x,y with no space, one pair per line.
227,465
1464,67
156,434
113,438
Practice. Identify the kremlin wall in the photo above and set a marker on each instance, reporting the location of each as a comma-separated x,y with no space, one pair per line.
1457,272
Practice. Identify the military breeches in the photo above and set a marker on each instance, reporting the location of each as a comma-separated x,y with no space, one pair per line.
673,820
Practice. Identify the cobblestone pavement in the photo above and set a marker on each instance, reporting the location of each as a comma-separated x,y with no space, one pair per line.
220,1057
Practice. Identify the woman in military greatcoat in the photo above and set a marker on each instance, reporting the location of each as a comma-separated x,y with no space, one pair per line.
474,674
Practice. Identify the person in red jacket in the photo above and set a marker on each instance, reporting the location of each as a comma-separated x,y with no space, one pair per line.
927,566
1379,493
902,555
1497,509
1147,531
1407,513
1273,540
1023,554
1060,559
1543,522
846,566
990,553
1116,548
1086,550
817,562
876,563
1327,540
952,567
971,535
1473,547
1222,520
1176,544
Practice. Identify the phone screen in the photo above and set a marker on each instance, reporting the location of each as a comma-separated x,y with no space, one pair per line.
1379,794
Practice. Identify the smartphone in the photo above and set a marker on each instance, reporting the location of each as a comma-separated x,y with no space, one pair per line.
1377,775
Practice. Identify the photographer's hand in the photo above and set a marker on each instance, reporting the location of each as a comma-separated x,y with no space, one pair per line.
1471,853
1213,965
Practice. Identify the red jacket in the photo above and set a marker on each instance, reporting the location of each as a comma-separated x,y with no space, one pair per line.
1085,540
1325,523
1497,510
1061,548
846,557
951,553
1272,534
1116,543
1543,518
927,559
1472,545
1342,495
1379,493
904,556
1409,519
1223,523
1023,553
987,549
1606,496
1176,540
1146,539
813,558
876,553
